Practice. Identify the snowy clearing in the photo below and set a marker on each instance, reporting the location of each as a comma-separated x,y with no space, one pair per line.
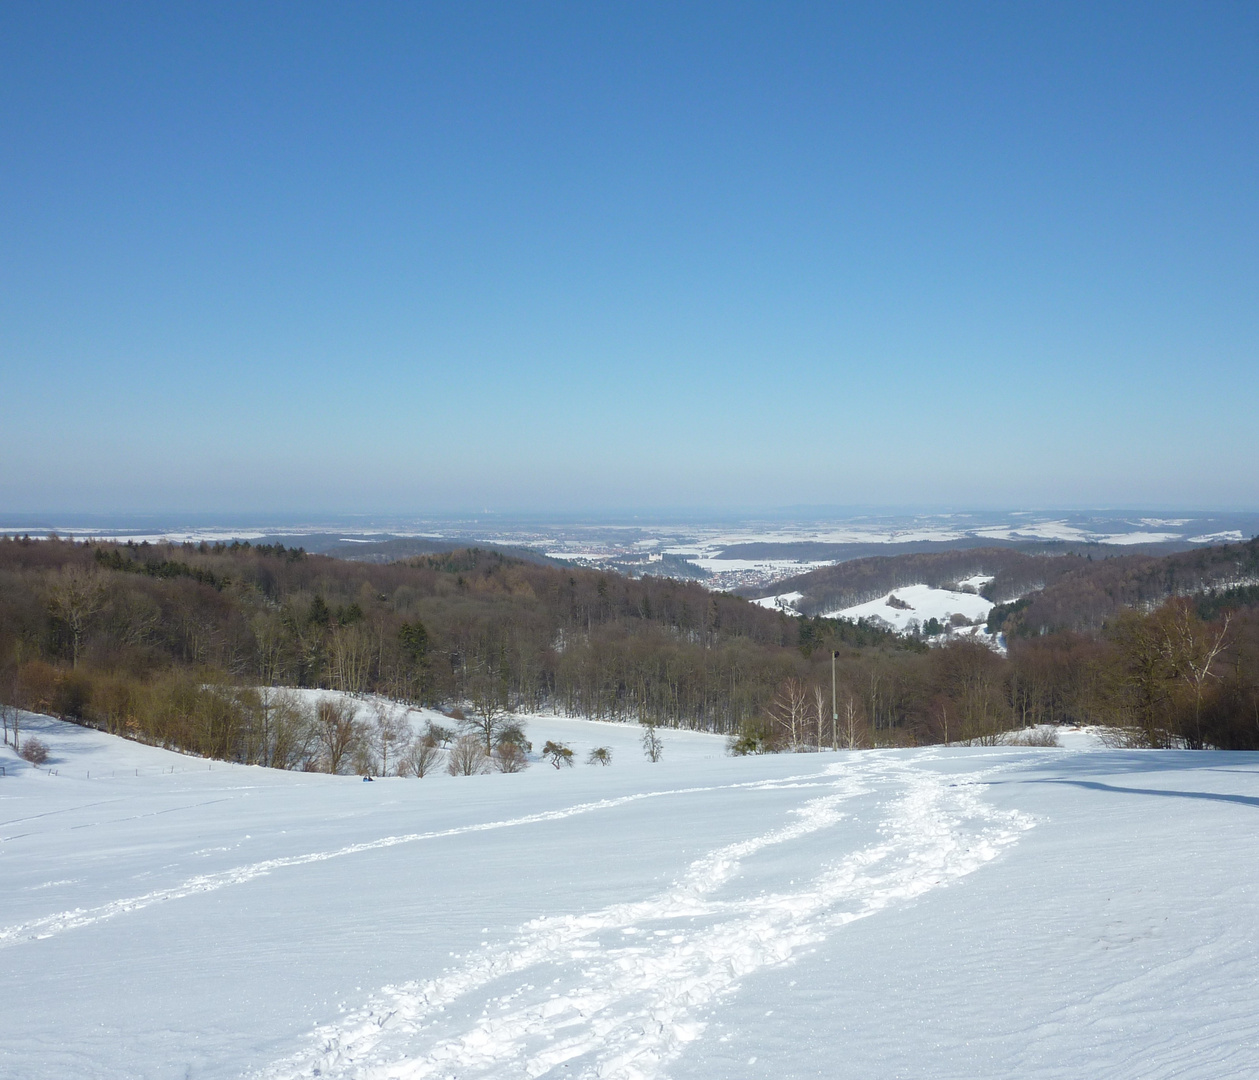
924,602
784,602
950,912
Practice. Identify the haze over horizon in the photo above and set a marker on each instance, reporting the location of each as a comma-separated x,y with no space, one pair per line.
270,260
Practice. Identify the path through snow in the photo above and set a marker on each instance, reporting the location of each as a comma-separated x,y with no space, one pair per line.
620,992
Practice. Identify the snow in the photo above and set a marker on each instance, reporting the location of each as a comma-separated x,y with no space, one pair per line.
944,912
925,602
782,567
978,581
1128,539
366,705
1228,536
1062,530
782,602
1080,738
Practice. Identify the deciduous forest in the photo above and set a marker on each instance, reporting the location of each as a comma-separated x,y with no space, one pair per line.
173,644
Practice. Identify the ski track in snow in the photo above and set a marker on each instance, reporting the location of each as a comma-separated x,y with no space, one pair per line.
48,925
637,980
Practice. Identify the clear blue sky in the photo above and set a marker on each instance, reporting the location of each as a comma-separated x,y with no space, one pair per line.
407,258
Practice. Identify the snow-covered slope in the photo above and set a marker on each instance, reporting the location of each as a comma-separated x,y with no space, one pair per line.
922,603
1006,912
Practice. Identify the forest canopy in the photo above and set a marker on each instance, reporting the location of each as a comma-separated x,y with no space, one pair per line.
168,642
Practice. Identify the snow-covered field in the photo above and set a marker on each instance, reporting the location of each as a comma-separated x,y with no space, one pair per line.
962,913
924,602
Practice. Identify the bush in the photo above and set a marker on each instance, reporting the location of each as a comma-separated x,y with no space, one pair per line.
600,755
1037,736
509,757
653,747
558,754
743,744
34,751
755,736
467,757
420,758
439,735
513,731
1123,738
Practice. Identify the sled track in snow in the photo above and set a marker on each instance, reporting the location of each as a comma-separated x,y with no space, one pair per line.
636,981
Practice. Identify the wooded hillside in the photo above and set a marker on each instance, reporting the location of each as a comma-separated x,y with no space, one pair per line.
93,632
169,643
1064,591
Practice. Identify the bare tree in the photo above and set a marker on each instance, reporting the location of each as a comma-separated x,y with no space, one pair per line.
467,757
787,712
1191,648
820,713
350,654
74,598
11,715
851,722
271,642
489,707
941,709
969,675
337,730
289,730
388,733
421,757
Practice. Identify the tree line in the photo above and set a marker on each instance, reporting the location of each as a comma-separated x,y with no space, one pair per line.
174,643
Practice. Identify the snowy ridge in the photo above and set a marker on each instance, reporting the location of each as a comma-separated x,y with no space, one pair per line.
636,980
